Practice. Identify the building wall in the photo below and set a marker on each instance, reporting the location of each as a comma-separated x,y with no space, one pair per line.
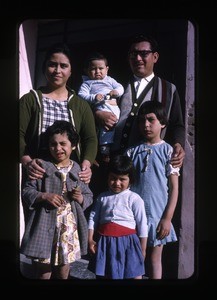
187,246
27,54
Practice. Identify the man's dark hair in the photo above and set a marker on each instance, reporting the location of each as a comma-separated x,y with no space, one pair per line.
145,38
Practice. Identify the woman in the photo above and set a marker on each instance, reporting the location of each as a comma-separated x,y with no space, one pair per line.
38,110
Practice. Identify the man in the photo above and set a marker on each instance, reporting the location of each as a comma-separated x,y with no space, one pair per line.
145,85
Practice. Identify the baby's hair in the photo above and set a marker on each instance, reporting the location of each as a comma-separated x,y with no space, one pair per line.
122,165
56,48
155,107
61,126
95,56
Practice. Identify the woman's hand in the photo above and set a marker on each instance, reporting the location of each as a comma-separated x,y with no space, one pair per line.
34,169
86,172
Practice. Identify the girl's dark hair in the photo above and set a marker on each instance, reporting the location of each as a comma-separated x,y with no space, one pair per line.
122,165
155,107
56,48
61,127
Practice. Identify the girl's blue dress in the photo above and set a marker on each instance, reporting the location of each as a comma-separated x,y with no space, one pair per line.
152,163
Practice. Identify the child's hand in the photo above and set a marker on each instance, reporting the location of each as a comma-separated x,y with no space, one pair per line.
92,247
53,199
163,229
99,97
113,93
76,195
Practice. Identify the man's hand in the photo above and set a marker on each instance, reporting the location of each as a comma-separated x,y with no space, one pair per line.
177,156
106,119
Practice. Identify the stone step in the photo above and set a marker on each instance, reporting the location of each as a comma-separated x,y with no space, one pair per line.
78,270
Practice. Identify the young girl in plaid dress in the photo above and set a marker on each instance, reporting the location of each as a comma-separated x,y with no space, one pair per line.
56,228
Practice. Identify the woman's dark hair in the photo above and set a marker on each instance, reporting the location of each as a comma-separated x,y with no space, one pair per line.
56,48
155,107
61,127
122,165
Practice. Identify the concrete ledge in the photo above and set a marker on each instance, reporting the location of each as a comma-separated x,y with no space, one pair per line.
78,269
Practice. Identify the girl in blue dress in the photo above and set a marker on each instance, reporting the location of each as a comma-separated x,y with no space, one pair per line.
156,182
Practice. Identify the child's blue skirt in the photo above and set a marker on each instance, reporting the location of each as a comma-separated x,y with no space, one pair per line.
119,257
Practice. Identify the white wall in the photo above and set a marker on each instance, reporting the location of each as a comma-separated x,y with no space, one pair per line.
27,54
